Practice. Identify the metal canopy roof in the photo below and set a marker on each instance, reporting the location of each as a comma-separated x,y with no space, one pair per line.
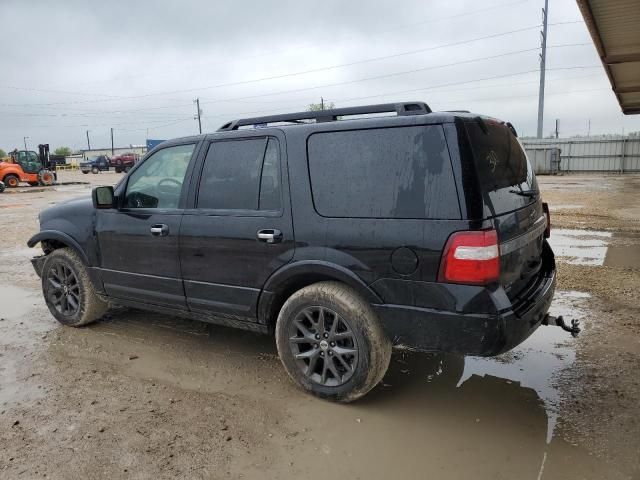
615,28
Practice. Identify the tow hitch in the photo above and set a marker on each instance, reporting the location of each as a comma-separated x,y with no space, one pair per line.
574,329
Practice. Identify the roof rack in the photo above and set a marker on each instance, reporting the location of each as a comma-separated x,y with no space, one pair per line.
401,109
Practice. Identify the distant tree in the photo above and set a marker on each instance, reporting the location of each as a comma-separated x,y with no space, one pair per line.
2,153
316,107
65,151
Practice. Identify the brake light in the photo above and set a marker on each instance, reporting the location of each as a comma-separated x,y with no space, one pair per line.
545,209
471,257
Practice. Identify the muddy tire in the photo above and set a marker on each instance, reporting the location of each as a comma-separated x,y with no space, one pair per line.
95,170
331,343
68,291
11,181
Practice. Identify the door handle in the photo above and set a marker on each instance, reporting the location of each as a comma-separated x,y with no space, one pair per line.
159,230
269,235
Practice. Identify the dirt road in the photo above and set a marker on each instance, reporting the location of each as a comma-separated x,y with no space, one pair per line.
141,395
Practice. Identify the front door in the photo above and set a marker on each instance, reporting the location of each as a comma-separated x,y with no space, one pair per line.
139,240
239,230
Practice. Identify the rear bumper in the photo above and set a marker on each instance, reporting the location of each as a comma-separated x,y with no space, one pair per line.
434,330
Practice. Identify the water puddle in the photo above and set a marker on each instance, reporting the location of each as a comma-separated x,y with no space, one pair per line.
623,256
536,362
499,414
555,207
580,247
18,332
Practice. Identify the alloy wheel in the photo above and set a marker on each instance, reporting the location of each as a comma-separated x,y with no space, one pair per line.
64,289
324,346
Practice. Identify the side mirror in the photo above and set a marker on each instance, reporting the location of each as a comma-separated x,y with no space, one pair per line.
103,197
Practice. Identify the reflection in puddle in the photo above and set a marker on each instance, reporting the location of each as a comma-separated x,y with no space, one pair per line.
580,247
536,362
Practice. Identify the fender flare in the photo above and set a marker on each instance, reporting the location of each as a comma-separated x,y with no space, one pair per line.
291,273
60,237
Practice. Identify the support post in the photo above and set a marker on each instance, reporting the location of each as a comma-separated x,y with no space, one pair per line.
543,61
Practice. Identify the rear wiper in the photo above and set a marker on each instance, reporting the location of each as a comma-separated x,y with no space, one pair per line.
525,193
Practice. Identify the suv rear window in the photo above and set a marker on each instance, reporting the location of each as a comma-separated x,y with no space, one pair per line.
502,167
401,172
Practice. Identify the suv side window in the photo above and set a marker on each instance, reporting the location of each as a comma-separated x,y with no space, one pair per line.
241,175
157,183
399,172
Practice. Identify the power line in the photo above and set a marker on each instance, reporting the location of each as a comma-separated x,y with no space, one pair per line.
293,74
396,27
101,113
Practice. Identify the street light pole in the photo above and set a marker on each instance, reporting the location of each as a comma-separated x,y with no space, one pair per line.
88,142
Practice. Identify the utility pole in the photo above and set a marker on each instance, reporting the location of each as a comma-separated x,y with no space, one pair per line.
25,142
197,102
88,142
589,129
321,103
112,141
557,122
543,66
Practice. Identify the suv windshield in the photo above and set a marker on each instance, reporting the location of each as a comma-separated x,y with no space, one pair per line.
504,172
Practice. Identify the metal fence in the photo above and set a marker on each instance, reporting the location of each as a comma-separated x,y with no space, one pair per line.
621,155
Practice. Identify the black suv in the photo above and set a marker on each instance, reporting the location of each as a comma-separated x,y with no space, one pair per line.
342,233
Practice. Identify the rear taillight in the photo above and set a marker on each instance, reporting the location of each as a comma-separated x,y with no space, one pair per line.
471,258
547,230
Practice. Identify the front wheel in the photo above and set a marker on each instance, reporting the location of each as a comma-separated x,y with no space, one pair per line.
331,342
11,181
68,291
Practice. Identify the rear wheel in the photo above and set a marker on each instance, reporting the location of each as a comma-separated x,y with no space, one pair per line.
331,342
68,291
95,170
11,181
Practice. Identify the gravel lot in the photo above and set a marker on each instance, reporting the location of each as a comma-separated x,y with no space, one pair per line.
140,395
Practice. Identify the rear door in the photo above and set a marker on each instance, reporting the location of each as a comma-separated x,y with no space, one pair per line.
239,229
139,241
511,198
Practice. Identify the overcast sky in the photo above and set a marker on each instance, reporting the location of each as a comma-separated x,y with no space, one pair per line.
71,66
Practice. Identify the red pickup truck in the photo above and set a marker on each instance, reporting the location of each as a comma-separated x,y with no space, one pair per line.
124,162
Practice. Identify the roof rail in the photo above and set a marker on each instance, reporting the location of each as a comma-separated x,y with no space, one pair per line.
405,108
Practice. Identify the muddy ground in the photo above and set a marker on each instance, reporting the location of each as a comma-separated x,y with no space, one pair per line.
141,395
